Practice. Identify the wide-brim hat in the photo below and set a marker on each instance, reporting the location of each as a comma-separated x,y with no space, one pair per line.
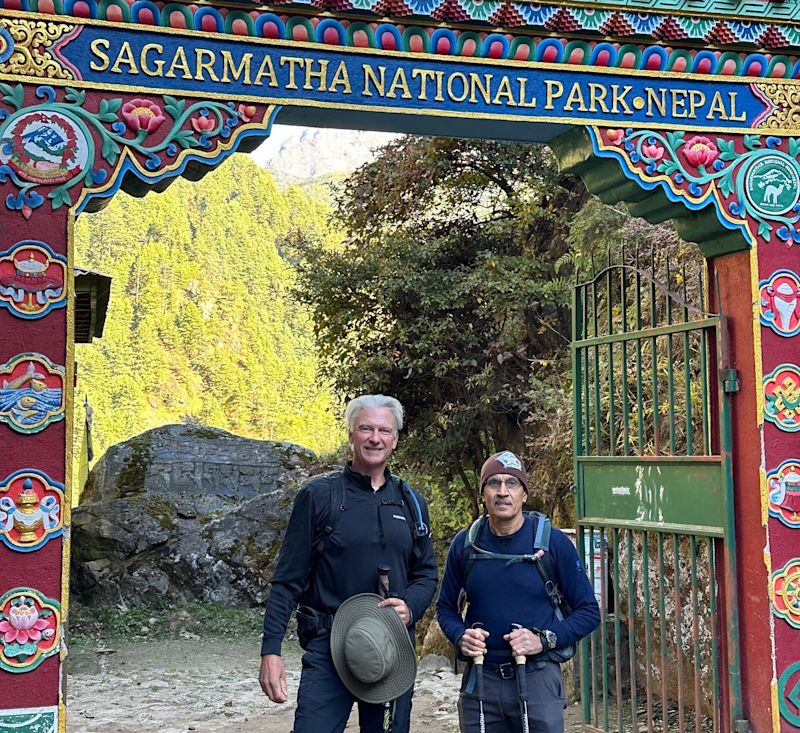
371,650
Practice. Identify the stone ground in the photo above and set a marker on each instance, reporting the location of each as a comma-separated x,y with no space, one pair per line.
211,686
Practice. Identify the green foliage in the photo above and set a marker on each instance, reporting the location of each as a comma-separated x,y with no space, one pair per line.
202,325
446,294
453,292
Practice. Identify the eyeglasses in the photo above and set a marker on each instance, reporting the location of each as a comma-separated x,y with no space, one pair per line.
369,430
511,483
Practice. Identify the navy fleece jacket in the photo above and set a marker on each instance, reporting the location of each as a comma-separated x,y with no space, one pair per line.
501,594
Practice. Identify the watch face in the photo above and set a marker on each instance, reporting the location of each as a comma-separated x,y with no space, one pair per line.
551,639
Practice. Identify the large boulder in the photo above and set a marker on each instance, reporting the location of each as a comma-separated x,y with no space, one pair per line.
184,513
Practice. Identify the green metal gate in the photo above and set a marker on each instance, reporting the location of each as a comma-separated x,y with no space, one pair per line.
654,503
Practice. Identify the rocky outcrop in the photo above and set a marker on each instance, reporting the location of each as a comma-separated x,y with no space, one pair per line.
182,512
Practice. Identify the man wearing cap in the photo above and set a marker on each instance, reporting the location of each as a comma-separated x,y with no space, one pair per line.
343,527
510,615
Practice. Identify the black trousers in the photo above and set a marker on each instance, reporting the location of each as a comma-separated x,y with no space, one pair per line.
501,700
324,704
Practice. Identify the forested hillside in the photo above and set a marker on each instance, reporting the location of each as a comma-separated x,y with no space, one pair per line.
202,325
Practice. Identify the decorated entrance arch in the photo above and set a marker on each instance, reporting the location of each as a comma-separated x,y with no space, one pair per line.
684,110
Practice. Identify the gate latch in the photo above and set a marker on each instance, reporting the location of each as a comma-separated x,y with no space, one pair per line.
730,380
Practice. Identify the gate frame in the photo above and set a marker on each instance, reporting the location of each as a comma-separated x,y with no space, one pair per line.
621,508
140,134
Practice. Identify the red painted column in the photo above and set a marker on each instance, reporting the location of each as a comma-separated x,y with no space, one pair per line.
765,349
753,184
55,144
776,291
36,356
730,272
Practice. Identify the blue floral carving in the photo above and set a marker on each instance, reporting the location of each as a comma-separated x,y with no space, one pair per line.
536,14
112,126
6,45
697,165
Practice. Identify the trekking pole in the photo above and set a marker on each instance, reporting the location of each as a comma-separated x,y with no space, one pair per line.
478,662
383,588
522,685
383,580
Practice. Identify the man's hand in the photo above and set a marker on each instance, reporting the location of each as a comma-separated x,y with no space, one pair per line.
524,642
272,677
400,606
473,643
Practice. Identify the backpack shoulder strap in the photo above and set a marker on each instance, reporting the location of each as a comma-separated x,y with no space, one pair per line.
409,496
542,529
470,553
473,532
325,523
470,547
543,559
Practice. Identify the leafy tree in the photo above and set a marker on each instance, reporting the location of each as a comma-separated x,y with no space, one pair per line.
451,292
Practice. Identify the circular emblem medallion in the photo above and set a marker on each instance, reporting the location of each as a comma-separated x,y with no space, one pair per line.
32,279
785,591
779,302
784,492
772,184
44,147
782,397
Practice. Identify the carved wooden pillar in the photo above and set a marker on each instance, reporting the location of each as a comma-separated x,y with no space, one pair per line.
753,181
62,150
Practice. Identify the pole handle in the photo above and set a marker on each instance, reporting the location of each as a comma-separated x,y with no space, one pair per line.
519,659
383,580
477,660
479,680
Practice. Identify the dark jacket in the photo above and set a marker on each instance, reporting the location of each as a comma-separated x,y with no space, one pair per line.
372,530
501,593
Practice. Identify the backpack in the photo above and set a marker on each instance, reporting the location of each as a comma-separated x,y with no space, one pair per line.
540,557
311,622
409,503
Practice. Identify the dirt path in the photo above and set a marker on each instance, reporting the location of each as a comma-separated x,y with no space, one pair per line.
211,686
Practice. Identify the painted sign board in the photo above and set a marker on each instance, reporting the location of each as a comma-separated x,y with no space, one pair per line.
96,55
633,492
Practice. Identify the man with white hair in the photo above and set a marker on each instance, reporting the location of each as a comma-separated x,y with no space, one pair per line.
343,527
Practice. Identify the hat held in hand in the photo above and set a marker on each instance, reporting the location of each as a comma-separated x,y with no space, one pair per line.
371,650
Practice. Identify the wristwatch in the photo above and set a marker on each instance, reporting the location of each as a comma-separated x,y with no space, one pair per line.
549,639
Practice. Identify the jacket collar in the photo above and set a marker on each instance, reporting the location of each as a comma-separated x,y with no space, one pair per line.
365,481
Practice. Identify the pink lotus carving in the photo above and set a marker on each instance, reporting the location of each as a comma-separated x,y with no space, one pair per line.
203,123
615,137
653,151
247,112
699,151
142,114
23,623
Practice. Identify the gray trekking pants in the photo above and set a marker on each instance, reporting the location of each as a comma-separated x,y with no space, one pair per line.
501,703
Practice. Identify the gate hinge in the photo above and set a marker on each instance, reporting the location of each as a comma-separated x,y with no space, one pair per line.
741,726
729,379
